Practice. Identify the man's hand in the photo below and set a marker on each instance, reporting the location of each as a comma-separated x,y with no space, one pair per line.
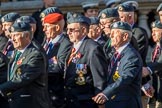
149,90
100,98
145,72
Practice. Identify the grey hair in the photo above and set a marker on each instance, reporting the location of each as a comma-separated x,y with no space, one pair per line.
129,33
30,34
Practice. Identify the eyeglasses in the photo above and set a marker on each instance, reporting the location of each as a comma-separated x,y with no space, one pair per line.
73,29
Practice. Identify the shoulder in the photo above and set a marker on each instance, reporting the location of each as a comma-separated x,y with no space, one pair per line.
130,52
91,45
139,30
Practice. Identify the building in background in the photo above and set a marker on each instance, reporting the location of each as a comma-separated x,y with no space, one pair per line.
146,12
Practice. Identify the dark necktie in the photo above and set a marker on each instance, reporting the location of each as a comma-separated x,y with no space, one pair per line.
71,56
114,60
6,49
156,53
18,53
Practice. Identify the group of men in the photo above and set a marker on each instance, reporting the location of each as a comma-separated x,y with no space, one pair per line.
98,61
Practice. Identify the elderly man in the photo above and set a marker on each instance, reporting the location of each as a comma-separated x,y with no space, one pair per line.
95,32
3,38
39,34
7,21
56,51
126,13
125,71
107,17
27,77
155,66
86,67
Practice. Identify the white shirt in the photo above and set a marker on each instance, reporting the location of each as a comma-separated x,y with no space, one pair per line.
97,38
77,46
122,48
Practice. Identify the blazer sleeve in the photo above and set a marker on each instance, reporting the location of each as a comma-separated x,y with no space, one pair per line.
156,67
98,67
62,53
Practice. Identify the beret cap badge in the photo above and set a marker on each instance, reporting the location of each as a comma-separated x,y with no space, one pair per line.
120,8
103,15
42,15
74,15
115,25
2,19
12,29
153,24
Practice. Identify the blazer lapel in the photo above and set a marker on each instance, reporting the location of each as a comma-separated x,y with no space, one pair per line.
20,60
82,48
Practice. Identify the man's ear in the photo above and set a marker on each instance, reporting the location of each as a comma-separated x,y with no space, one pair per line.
125,36
57,27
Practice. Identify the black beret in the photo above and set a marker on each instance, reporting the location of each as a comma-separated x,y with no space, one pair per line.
121,25
159,7
50,10
94,20
20,27
27,19
132,3
126,8
90,4
73,17
157,24
10,17
108,13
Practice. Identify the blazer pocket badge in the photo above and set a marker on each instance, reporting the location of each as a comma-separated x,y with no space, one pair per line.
116,75
81,71
17,76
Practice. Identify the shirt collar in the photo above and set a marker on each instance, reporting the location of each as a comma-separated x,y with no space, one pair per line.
97,38
22,51
122,48
77,46
56,39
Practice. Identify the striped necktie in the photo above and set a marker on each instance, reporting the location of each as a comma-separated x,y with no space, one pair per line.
156,53
71,56
8,46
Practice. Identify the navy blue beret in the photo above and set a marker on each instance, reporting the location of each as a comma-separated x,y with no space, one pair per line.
73,17
159,7
94,20
157,24
126,8
20,27
49,11
121,25
10,17
27,19
108,13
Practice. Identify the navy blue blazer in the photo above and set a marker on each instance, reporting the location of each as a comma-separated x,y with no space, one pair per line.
124,82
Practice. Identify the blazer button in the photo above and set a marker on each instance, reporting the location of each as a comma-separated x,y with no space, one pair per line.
65,99
9,100
71,100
